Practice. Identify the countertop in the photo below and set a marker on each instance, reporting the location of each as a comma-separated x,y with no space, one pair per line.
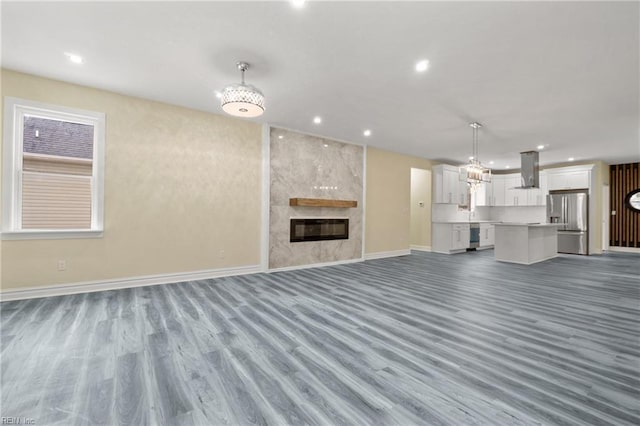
466,221
531,225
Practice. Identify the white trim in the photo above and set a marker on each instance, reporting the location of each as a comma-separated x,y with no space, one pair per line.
266,197
624,249
314,265
51,235
384,254
14,111
364,199
419,248
563,169
103,285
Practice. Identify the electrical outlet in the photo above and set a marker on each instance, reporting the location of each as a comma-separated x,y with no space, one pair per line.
62,265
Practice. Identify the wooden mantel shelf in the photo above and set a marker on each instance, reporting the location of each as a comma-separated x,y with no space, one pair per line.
320,202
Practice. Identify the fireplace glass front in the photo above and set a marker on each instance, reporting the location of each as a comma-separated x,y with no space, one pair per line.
319,229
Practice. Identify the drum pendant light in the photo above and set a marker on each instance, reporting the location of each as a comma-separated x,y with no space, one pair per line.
242,100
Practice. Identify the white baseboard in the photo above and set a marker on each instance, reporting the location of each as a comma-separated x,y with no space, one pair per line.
420,248
384,254
314,265
624,249
103,285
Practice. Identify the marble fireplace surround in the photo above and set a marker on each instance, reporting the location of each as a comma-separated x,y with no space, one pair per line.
304,166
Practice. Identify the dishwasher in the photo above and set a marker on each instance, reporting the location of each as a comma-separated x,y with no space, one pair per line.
474,235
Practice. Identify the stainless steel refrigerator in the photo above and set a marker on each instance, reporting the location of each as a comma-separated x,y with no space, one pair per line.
571,210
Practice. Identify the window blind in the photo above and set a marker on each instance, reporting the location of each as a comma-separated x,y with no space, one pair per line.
56,193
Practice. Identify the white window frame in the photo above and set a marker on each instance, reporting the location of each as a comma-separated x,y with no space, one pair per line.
14,111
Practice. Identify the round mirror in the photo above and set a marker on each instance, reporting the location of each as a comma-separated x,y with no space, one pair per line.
632,200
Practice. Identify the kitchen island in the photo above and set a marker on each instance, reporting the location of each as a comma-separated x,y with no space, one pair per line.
525,243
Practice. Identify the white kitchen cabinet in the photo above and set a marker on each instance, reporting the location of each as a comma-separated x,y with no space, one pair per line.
568,179
498,190
447,186
487,235
538,196
450,237
513,195
484,194
460,236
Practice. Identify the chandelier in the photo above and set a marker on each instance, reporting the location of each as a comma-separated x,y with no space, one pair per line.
242,100
474,172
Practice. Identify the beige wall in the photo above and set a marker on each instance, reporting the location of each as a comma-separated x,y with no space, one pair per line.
420,233
388,194
182,192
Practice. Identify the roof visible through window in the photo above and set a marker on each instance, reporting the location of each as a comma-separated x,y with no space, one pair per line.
55,137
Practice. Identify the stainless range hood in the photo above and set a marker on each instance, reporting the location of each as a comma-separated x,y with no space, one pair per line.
529,170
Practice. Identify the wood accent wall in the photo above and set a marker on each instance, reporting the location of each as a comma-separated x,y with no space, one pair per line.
625,224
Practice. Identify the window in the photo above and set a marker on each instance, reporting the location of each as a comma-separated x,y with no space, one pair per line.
53,180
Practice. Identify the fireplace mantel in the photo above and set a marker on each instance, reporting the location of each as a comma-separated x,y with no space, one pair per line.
321,202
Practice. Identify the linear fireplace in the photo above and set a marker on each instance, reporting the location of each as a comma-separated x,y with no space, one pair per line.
319,229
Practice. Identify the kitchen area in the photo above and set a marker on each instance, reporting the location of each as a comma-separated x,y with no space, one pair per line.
526,217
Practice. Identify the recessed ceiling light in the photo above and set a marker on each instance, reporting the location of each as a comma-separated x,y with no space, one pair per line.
326,145
367,132
570,159
218,94
490,162
507,167
471,158
317,120
76,59
540,146
422,66
297,3
280,137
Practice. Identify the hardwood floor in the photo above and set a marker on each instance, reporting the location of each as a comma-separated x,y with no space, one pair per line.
422,339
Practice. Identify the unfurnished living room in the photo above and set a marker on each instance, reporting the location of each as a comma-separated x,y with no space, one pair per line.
320,213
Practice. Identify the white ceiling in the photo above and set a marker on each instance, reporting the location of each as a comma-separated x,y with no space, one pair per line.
554,73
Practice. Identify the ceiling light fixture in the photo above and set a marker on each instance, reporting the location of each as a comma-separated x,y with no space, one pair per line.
570,159
422,66
474,172
540,146
507,167
76,59
367,133
242,100
297,3
317,120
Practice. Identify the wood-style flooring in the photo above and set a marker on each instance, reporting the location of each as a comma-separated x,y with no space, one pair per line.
423,339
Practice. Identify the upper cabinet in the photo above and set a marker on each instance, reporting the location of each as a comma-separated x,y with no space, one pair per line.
504,190
538,196
484,194
568,178
448,188
514,196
